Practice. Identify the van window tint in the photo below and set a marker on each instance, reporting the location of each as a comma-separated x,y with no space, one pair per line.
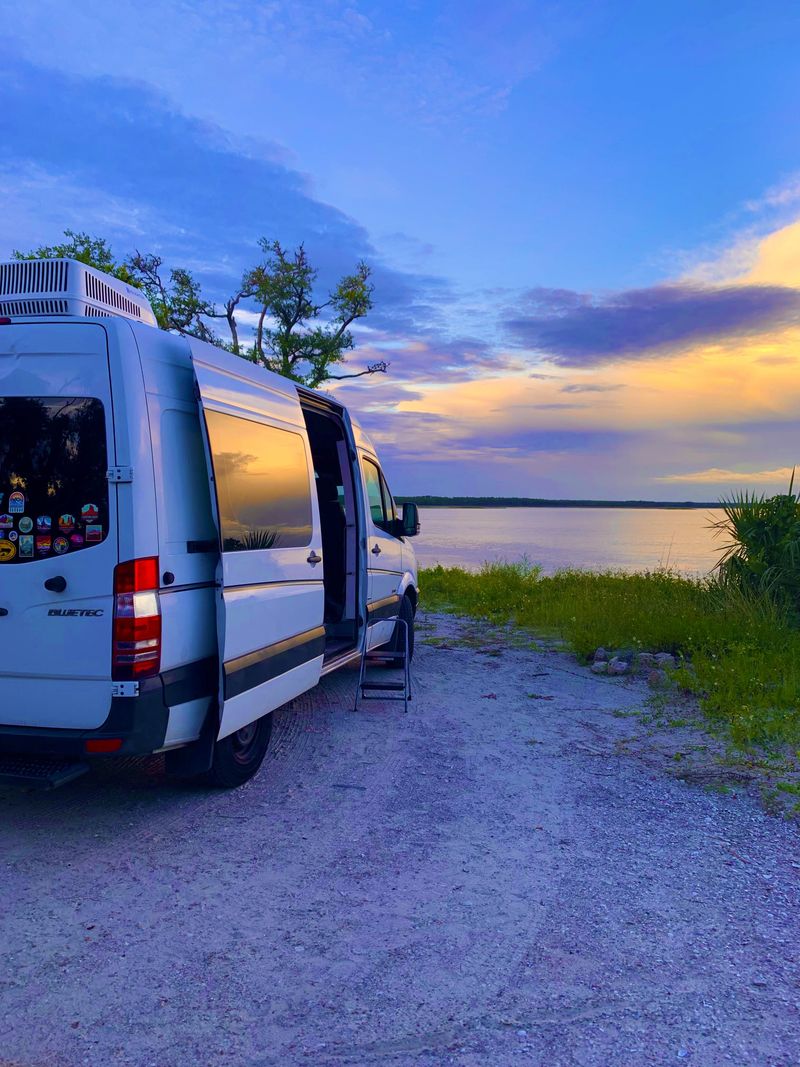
263,486
53,486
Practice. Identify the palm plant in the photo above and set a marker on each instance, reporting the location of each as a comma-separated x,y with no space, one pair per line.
762,553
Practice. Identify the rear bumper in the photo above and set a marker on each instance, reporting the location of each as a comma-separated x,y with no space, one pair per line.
141,721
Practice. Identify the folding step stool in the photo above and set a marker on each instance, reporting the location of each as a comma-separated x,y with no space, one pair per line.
390,690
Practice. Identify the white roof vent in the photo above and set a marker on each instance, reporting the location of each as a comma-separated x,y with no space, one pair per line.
36,288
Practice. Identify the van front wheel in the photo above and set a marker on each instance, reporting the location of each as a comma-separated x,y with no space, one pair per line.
398,641
238,756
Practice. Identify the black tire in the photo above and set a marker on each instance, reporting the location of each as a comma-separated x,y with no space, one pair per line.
397,642
238,757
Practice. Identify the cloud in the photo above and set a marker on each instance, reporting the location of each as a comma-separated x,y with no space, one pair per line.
719,476
575,329
588,387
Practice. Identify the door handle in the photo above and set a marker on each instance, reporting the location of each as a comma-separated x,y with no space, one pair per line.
376,551
57,584
313,559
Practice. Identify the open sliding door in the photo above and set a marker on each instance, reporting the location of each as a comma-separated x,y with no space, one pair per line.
271,608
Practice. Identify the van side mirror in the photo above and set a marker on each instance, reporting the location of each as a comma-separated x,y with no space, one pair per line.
410,519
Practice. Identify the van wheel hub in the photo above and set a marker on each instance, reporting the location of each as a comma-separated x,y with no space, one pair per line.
244,742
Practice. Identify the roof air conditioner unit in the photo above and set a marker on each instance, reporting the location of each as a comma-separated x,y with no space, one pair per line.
48,288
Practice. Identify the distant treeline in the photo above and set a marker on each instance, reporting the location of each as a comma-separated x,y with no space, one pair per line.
539,502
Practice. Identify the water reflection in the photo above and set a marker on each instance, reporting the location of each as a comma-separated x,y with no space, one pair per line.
629,539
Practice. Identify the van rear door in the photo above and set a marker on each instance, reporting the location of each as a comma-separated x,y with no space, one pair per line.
58,535
271,611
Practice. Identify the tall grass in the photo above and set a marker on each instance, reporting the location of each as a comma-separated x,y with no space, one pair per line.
744,651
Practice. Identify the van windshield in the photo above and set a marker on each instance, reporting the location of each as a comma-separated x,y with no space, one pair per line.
53,486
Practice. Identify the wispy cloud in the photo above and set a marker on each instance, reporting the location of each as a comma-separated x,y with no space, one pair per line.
576,329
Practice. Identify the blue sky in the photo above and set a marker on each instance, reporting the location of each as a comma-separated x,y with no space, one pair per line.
581,216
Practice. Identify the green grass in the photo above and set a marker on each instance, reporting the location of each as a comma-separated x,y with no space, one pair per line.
744,651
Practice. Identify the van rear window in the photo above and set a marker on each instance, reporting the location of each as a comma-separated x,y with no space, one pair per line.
53,487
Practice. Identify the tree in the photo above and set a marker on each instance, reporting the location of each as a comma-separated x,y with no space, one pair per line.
93,251
289,337
295,335
177,304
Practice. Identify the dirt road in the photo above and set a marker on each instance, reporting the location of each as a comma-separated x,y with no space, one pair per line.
484,881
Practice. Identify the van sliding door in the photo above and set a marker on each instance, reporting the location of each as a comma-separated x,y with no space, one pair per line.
271,609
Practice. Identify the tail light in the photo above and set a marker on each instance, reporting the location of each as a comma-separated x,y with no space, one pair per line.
136,648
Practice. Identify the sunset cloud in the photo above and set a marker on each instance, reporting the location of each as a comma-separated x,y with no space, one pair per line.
718,476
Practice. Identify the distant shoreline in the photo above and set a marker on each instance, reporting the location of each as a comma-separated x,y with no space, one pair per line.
536,502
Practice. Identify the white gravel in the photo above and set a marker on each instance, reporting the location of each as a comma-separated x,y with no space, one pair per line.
488,880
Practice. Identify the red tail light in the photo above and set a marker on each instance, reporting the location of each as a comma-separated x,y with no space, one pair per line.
136,649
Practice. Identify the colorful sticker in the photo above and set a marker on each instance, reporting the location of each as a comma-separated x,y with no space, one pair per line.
7,551
12,535
43,545
76,539
60,545
6,522
43,523
16,503
25,524
90,513
26,546
94,533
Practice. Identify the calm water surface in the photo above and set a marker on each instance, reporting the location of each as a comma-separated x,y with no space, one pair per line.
630,539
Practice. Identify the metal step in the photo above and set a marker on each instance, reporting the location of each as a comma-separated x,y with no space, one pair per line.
394,686
39,772
385,657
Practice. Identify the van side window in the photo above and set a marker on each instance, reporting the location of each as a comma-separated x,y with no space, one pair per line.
381,504
388,500
372,477
263,484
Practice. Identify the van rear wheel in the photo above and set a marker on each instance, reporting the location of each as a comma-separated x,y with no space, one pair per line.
238,756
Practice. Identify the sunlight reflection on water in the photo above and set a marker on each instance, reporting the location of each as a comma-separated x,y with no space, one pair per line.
629,539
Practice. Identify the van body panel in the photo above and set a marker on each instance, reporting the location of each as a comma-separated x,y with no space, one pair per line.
271,608
55,647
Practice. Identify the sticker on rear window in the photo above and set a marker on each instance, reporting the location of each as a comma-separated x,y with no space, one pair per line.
26,546
60,545
7,550
43,523
6,522
94,533
43,545
90,513
66,523
16,503
76,539
25,525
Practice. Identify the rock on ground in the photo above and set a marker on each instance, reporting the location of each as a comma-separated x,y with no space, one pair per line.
480,882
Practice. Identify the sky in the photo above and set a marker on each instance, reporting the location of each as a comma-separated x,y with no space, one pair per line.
583,218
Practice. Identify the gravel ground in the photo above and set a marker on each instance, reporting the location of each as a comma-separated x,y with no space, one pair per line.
491,879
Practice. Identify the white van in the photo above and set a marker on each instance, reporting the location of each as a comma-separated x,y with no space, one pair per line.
187,541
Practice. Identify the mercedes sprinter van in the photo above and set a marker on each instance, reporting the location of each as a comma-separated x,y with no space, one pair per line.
187,541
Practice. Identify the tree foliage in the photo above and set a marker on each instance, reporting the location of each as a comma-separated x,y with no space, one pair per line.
297,334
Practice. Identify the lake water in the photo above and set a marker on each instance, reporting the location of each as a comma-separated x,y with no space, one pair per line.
630,539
